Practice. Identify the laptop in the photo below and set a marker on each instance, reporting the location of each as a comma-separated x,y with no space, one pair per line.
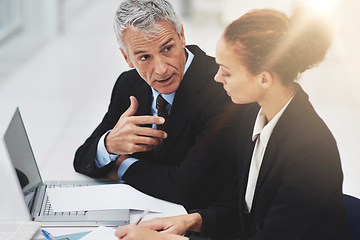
32,189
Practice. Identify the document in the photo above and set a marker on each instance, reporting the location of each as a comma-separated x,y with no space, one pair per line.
103,233
18,230
73,236
104,197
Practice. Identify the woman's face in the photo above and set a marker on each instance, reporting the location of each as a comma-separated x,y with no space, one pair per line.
241,85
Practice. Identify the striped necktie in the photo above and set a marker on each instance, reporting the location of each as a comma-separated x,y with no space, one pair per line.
161,105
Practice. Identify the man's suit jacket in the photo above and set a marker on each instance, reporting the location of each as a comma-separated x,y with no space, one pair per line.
194,166
299,190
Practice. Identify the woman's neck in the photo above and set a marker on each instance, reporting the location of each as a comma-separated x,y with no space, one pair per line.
275,98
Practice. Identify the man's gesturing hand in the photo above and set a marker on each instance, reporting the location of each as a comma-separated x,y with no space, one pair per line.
128,136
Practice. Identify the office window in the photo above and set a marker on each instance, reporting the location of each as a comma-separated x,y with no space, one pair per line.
10,17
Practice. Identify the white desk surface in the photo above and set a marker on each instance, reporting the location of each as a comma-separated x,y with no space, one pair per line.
134,216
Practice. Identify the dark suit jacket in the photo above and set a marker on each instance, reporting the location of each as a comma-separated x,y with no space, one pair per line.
195,165
299,189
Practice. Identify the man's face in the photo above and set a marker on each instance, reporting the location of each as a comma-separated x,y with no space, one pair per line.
159,58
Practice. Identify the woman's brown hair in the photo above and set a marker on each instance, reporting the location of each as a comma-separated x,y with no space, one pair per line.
268,40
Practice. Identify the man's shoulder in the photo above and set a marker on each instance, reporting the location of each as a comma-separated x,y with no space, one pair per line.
203,66
128,75
129,83
129,78
199,53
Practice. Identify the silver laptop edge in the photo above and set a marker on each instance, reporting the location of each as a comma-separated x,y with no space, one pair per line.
32,189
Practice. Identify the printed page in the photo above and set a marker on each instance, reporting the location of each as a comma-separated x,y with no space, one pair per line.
103,233
18,230
102,198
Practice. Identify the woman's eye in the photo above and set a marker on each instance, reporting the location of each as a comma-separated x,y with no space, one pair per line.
225,74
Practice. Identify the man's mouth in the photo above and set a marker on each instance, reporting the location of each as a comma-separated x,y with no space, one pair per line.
165,80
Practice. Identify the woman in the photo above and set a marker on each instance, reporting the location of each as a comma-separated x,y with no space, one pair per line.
290,177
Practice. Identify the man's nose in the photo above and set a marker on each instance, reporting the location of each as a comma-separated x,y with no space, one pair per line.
160,66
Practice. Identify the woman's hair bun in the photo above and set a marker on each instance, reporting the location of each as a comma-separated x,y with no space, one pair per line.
311,36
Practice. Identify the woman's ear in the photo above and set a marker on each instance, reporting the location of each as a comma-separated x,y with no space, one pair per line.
266,79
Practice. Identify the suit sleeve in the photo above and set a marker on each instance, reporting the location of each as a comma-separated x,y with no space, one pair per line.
84,161
307,202
306,195
211,156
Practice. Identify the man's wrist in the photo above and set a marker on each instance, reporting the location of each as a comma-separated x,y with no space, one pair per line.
102,157
106,143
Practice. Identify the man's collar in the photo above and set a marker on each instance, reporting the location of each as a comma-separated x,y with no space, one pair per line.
189,59
168,97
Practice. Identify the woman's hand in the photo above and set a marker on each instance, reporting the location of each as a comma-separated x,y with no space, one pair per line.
135,232
176,225
161,228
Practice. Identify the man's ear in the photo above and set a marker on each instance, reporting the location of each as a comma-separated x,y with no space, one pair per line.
127,59
182,37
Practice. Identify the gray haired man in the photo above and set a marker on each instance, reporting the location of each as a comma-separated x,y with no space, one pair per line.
170,128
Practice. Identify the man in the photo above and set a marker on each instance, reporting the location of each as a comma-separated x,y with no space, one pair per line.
175,140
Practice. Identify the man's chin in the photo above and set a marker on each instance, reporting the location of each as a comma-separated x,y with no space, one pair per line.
166,89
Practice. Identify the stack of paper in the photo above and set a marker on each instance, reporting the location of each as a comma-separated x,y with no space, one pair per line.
103,197
18,230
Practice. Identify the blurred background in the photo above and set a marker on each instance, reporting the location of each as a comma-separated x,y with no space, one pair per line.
59,60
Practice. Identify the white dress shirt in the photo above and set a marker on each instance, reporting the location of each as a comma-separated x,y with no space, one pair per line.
261,134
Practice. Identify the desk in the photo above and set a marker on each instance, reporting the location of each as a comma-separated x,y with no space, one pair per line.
134,216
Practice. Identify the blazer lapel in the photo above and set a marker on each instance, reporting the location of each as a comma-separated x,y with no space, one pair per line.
292,113
183,107
186,99
243,175
144,97
269,157
245,160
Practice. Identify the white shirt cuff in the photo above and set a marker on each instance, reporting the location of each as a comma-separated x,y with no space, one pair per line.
102,157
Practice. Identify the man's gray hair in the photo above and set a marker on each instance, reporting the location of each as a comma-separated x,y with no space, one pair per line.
143,15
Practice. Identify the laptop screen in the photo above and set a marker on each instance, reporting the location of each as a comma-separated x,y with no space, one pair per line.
22,157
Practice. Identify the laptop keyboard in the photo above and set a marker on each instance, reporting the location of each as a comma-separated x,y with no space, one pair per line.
49,211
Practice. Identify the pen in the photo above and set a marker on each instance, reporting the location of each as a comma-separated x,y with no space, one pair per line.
48,235
142,216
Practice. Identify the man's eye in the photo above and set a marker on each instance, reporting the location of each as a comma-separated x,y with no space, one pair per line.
143,58
168,49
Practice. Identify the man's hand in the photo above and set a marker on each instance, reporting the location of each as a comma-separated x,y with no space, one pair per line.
128,136
113,174
133,232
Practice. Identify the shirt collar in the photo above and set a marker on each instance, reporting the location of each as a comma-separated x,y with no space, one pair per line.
189,60
264,130
168,97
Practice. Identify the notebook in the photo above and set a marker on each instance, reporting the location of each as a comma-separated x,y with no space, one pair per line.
32,189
